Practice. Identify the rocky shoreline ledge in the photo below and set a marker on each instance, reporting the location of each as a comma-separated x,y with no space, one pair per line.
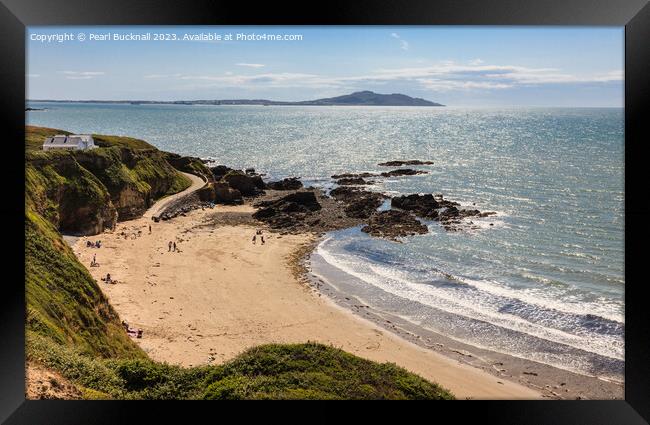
287,206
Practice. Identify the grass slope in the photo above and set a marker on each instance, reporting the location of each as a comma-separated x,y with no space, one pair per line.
295,371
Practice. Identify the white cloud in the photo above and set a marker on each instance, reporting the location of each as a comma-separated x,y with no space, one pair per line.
404,45
251,65
158,76
447,85
476,61
441,76
81,75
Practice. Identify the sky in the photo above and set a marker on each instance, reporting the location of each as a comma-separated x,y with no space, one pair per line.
456,66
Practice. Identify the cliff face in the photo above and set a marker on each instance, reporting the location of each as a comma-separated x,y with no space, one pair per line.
86,192
68,196
133,178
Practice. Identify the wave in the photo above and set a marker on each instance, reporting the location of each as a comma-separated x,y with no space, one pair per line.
478,300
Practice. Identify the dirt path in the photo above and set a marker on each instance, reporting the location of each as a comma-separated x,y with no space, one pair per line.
160,205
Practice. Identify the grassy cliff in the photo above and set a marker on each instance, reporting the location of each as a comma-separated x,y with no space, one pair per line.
85,192
72,329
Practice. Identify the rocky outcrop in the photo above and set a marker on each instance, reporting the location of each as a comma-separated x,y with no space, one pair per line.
407,162
189,164
247,185
286,211
219,193
403,172
352,181
359,203
437,208
219,171
224,194
422,205
354,175
392,173
393,224
290,183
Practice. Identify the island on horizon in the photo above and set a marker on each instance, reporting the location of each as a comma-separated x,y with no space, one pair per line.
360,98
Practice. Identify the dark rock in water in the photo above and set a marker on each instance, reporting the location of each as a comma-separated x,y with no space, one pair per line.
345,194
346,181
435,207
220,170
403,172
359,203
469,213
487,213
250,171
407,162
247,185
224,194
392,224
363,207
288,210
353,175
422,205
449,213
291,183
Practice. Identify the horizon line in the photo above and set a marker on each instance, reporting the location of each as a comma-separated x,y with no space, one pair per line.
290,101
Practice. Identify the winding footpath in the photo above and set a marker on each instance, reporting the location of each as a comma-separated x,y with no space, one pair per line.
160,205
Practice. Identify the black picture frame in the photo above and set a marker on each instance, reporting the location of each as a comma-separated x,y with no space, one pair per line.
15,15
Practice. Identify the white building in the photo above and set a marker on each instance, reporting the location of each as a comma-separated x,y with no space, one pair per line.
71,142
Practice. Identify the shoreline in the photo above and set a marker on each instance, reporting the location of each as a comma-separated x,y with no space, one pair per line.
552,381
166,341
234,295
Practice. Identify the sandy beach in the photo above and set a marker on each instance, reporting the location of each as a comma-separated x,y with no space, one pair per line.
220,294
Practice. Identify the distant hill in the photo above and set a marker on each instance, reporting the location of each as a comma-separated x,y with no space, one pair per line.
372,98
367,98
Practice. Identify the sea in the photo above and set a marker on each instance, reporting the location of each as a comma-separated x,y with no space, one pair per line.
543,279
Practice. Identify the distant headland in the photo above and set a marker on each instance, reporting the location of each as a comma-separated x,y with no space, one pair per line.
360,98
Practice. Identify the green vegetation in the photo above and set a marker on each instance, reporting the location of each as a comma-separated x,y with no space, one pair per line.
72,329
296,371
104,141
63,301
86,191
35,136
314,371
189,164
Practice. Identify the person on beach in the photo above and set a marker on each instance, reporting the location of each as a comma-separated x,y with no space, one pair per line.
108,278
174,247
94,260
262,238
169,246
150,229
254,239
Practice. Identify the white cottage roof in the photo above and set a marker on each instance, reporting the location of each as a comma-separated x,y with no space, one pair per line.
61,140
71,140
